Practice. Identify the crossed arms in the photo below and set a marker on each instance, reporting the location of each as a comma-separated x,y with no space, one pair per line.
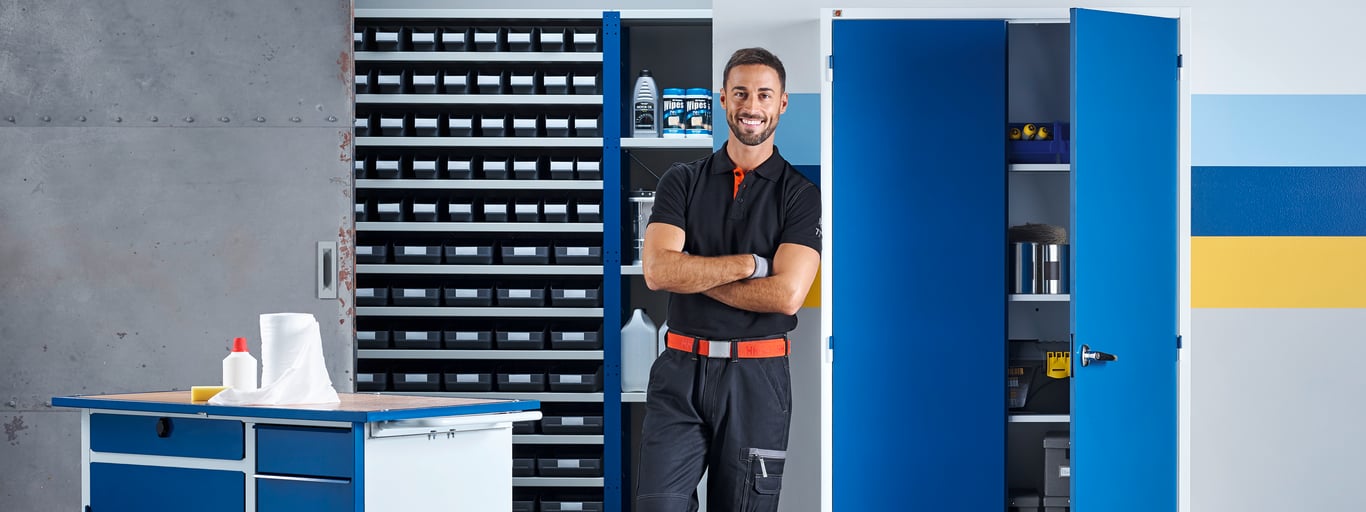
724,277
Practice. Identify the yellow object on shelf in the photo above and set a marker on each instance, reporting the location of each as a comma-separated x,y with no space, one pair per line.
1043,133
1059,365
1029,131
1014,133
203,393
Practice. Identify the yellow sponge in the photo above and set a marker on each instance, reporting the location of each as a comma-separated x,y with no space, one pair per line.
202,393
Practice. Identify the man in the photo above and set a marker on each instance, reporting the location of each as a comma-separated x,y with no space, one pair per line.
736,238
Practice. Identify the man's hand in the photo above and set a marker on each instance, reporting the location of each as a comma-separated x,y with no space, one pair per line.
794,268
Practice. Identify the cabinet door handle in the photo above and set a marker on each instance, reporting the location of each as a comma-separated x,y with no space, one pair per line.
164,427
303,479
1087,356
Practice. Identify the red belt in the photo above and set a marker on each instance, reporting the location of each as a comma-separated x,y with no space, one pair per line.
747,349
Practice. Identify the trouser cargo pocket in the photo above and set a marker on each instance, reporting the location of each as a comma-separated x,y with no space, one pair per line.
763,480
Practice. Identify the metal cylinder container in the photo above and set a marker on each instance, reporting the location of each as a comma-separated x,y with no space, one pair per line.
1040,268
642,203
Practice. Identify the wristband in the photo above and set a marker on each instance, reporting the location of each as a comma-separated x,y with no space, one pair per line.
761,265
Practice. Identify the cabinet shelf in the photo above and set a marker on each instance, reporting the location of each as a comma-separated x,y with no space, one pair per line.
1040,418
1040,168
542,481
364,56
658,143
483,227
480,142
479,99
533,355
485,312
413,184
482,270
1040,297
556,439
544,397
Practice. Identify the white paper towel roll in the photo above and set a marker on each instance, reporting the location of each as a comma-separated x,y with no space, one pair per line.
292,367
283,337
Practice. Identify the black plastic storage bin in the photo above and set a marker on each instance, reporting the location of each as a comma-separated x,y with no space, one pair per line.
526,254
574,295
415,296
417,340
562,505
460,210
526,169
521,295
557,125
520,338
424,211
362,86
388,82
556,210
360,212
372,253
425,83
372,381
372,339
488,39
585,84
588,467
522,428
468,381
1057,464
569,253
372,296
588,211
495,210
587,126
576,425
561,169
459,126
424,168
586,40
1057,503
489,82
455,39
567,338
389,211
468,295
523,504
468,339
416,381
496,168
521,39
388,168
469,254
459,168
456,82
556,84
360,169
524,125
527,210
553,39
417,254
522,83
359,40
362,126
493,126
521,381
426,125
589,169
523,466
422,39
575,381
387,39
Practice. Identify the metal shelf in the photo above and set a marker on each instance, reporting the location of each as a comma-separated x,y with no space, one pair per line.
479,99
482,270
687,16
1040,168
544,397
539,355
633,397
543,481
632,270
413,184
655,143
1040,418
1040,297
481,142
556,439
434,56
483,227
591,15
488,312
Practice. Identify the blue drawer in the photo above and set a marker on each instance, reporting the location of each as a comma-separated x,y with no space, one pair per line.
135,488
157,435
305,451
289,494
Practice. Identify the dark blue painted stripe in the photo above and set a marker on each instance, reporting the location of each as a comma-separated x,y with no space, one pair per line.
1278,201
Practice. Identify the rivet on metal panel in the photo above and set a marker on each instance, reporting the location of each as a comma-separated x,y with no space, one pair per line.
12,403
152,119
295,119
189,119
223,119
118,119
47,119
331,119
9,118
260,119
81,119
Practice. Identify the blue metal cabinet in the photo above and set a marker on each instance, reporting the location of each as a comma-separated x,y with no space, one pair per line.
918,255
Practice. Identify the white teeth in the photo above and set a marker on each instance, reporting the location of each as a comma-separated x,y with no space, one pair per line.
754,122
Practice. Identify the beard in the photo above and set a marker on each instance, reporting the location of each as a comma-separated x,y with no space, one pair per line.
751,138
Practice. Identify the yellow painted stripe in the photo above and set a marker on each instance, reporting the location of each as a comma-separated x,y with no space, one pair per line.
813,297
1278,272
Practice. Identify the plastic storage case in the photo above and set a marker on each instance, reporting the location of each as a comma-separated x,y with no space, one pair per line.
527,210
521,428
572,381
459,126
455,83
521,382
1056,503
469,254
589,467
523,504
389,211
517,295
559,505
460,210
526,169
372,253
424,211
468,381
571,425
454,39
572,339
372,339
523,466
468,340
388,168
526,255
417,381
520,339
459,169
495,210
556,210
524,126
574,295
1024,502
417,254
424,168
1055,150
561,169
496,168
588,212
416,296
468,295
575,254
372,296
372,381
418,340
1057,455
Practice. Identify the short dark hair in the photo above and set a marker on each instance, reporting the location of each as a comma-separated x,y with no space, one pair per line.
747,56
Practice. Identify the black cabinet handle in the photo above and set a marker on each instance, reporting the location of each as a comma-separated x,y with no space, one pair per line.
163,427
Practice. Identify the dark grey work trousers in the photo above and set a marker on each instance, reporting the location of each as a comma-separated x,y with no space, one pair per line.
729,416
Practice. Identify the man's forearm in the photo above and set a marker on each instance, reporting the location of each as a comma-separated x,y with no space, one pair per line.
683,273
768,295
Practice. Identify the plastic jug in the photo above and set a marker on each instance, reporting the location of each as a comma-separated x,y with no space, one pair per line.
239,368
645,106
637,354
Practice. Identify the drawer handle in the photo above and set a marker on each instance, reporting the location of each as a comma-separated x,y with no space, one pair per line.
163,427
303,479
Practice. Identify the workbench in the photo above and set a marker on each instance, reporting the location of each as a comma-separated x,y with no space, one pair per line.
161,451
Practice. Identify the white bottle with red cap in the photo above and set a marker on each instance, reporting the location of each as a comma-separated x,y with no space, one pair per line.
239,368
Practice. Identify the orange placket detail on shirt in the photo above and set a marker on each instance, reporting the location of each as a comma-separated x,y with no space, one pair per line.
739,177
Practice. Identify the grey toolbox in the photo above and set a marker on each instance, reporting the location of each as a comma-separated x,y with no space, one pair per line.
577,253
590,467
416,381
561,505
372,339
574,295
520,338
415,296
417,340
521,381
417,254
372,253
537,254
468,381
372,381
372,296
520,295
575,381
571,425
469,253
468,339
1057,464
468,295
568,338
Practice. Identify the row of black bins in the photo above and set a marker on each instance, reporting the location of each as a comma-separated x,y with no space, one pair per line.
481,253
477,39
509,338
479,167
560,424
483,81
482,210
556,467
481,294
554,504
483,125
516,381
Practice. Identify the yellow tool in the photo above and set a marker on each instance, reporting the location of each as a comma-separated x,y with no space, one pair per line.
1059,365
1029,131
202,393
1043,133
1014,133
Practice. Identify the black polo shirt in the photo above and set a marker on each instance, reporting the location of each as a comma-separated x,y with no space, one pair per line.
774,205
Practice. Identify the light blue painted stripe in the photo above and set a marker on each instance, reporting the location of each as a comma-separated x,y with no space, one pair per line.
799,130
1278,130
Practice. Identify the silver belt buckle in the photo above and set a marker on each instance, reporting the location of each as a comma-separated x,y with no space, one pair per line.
718,349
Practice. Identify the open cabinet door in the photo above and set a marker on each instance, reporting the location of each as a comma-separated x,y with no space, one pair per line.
918,264
1124,185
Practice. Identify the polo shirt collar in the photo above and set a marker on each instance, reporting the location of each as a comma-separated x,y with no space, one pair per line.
771,169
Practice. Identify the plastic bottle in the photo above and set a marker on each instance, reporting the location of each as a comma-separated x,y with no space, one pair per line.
637,354
674,108
697,119
645,106
239,368
663,338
